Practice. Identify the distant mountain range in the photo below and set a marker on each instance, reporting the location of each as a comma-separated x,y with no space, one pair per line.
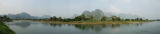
122,15
99,14
25,15
96,14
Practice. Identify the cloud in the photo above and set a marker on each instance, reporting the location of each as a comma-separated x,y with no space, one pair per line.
114,9
125,0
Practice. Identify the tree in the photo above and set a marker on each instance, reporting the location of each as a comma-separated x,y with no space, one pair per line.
137,19
104,18
140,19
50,18
5,19
127,19
60,18
67,20
81,17
54,18
115,18
91,18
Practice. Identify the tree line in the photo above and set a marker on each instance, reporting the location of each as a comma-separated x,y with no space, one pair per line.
83,18
96,15
5,19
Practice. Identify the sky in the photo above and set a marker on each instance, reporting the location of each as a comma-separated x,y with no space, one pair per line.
68,8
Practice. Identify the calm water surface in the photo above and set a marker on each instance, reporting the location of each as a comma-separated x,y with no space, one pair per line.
26,27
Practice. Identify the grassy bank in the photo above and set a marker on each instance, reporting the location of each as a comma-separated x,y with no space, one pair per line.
5,29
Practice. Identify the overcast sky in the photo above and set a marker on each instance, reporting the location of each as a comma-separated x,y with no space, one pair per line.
67,8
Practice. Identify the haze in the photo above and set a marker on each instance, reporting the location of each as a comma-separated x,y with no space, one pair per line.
68,8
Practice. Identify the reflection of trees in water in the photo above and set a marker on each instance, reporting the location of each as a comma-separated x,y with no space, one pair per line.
92,27
23,24
60,25
139,24
56,25
97,27
115,25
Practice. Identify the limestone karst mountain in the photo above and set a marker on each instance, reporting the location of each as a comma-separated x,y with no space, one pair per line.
25,15
98,14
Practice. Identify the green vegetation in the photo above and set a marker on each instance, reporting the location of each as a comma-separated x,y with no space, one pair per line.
5,19
115,18
3,28
104,20
96,16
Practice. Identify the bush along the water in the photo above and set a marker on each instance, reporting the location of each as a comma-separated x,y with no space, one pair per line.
5,29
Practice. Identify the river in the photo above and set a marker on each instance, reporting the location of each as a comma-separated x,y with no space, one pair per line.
29,27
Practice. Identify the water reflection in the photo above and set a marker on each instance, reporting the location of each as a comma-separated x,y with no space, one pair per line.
56,25
43,28
95,27
20,24
115,25
23,25
139,24
92,27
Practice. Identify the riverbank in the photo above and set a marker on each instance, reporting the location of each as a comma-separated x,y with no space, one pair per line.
5,29
90,22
